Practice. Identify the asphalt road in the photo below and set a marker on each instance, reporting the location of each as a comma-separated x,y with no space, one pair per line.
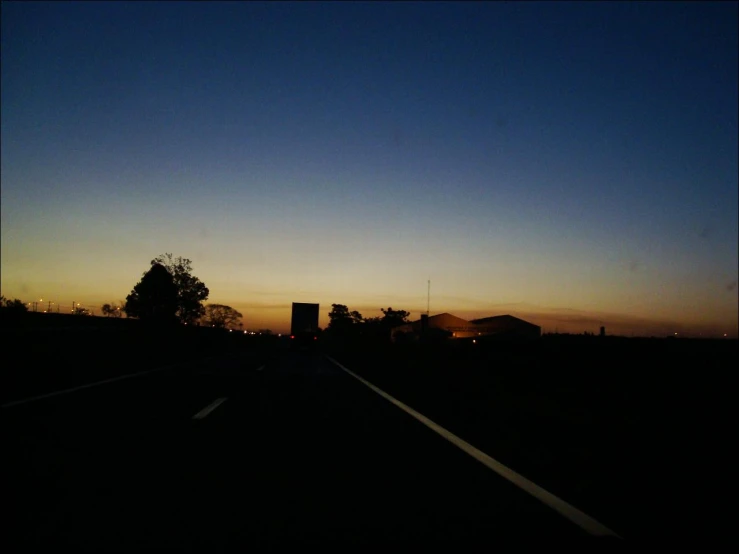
296,451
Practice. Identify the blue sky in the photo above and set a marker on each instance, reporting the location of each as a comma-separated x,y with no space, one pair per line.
536,158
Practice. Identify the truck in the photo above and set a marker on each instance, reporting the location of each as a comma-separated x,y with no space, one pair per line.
304,325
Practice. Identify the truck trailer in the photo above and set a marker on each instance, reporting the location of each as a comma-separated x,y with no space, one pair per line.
304,325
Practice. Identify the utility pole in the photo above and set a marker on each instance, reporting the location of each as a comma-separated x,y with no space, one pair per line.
428,298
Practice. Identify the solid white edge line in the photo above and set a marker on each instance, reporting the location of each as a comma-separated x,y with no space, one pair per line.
97,383
209,408
576,516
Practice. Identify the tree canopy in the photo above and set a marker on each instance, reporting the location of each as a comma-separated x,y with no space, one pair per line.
14,305
345,324
191,291
392,318
154,298
111,310
341,320
221,316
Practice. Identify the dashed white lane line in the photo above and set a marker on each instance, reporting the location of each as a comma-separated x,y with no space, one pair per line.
209,408
106,381
97,383
576,516
260,368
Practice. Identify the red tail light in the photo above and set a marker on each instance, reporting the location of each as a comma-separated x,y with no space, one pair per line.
292,336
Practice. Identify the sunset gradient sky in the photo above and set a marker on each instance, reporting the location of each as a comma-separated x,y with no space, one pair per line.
571,164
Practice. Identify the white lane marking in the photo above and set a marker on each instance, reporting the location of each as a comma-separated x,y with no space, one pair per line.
260,368
202,414
97,383
576,516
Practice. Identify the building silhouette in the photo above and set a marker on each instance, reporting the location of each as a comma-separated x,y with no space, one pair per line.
497,327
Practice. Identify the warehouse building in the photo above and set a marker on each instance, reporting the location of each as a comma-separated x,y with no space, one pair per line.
502,326
507,325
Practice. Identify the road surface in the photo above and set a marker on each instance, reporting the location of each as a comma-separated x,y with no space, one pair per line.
248,451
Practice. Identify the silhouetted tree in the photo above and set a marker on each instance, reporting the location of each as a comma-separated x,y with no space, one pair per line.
341,320
191,291
78,310
378,329
220,316
14,305
392,318
111,310
373,329
154,298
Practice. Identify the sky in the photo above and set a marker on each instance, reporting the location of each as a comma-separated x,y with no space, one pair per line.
573,164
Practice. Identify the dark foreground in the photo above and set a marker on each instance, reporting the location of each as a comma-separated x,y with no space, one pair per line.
636,432
298,453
